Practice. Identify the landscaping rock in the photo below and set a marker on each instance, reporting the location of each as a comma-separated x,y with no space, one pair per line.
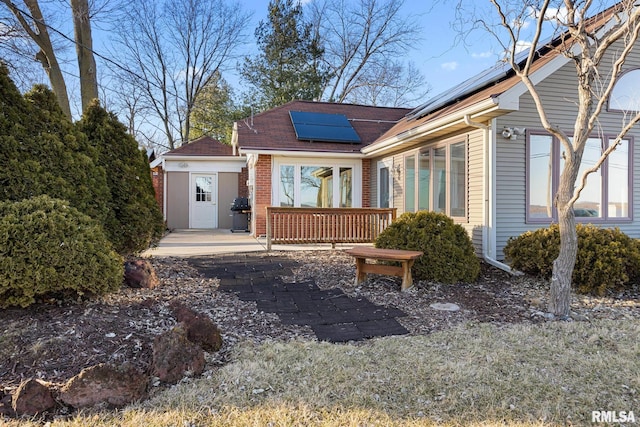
5,404
174,355
105,385
32,397
445,306
139,273
199,327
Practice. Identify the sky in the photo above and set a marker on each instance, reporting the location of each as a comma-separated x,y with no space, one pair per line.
443,64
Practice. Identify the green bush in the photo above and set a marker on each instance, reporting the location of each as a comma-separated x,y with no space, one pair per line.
607,258
448,251
137,221
48,248
42,152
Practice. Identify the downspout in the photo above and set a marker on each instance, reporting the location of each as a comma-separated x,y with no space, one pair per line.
488,190
164,190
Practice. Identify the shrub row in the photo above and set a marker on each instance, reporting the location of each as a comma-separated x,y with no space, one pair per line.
607,258
94,172
94,164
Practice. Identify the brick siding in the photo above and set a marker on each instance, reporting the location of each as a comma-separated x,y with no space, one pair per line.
157,178
262,192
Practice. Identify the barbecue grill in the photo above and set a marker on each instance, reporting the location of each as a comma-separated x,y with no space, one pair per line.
241,211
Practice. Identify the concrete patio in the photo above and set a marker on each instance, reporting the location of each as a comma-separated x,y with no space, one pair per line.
199,242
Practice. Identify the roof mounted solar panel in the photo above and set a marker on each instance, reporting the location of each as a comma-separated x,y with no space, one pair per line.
322,127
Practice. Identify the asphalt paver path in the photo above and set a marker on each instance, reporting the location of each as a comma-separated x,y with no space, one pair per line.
332,315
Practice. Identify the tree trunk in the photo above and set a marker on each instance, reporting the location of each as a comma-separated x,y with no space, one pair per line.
560,292
561,277
46,56
49,62
84,51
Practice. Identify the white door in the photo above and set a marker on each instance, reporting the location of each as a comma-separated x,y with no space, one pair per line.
204,198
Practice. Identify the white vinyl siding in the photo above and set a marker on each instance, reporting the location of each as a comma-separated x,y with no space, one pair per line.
476,182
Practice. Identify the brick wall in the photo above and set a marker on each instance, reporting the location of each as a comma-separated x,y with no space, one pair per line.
157,178
366,183
262,192
243,190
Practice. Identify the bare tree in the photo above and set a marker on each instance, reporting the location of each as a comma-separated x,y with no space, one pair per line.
600,48
31,26
84,51
359,37
33,23
174,49
390,84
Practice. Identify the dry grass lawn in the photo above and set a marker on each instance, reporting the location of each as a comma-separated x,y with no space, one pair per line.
479,374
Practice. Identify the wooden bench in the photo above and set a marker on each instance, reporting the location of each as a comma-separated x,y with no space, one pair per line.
407,258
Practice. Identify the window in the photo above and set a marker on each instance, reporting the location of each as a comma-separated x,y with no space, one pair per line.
346,187
384,185
424,179
541,172
286,185
314,186
625,95
204,187
606,193
440,183
440,179
409,183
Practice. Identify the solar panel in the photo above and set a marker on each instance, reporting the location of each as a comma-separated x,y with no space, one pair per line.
323,127
476,82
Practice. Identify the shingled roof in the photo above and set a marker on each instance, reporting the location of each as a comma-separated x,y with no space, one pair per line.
273,130
473,94
203,146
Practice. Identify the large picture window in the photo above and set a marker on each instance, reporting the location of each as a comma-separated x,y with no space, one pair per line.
314,186
606,193
436,180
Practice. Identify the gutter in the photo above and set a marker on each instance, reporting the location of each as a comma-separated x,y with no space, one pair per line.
389,144
164,191
288,153
488,189
205,158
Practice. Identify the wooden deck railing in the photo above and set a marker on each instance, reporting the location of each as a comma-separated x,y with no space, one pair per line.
326,225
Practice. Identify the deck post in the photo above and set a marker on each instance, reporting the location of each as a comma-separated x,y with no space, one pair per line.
268,229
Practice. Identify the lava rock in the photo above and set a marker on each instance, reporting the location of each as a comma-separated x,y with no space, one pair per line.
199,327
139,273
32,397
105,385
5,404
174,355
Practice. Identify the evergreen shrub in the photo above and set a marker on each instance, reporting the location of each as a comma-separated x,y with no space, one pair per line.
50,249
448,257
137,221
41,152
607,259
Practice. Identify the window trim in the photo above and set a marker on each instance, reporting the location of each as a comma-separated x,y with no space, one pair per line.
336,164
609,99
384,164
604,191
430,148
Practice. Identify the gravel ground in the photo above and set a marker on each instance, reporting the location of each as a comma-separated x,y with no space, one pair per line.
54,341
